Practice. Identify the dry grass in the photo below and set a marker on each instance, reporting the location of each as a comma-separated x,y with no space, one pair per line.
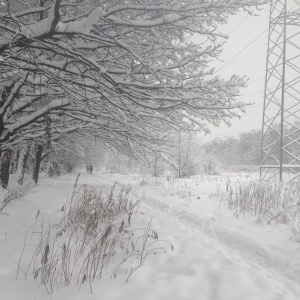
274,202
271,200
184,188
15,193
94,236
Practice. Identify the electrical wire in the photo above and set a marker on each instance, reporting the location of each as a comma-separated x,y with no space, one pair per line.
243,49
236,26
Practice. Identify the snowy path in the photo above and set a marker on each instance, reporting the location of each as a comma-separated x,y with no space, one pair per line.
222,266
212,261
216,257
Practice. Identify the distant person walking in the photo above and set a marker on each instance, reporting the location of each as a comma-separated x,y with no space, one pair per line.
91,169
87,168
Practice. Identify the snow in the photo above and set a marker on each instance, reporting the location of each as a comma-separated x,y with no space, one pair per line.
81,26
34,116
215,256
41,27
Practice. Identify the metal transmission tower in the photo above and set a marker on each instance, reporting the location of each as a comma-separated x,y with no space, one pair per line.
280,147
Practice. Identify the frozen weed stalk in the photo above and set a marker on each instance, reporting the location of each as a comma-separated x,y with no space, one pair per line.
271,200
94,238
184,188
15,193
145,244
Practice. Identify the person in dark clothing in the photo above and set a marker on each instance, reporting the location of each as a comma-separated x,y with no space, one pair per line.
91,169
88,168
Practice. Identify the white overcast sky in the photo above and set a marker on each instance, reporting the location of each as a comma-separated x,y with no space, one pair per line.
245,53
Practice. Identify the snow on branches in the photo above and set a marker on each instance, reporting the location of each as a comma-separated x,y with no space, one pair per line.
124,70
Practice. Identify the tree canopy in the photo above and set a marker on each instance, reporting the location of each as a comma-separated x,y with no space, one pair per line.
128,71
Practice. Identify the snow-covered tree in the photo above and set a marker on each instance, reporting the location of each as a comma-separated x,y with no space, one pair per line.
127,71
232,151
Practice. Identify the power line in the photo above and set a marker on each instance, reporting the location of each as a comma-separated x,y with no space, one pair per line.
231,61
238,24
245,46
257,92
268,109
255,106
256,79
238,132
249,53
241,51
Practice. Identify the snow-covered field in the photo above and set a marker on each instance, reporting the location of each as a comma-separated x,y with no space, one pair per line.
216,256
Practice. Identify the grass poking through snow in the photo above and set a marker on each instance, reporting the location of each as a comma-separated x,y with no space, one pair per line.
96,236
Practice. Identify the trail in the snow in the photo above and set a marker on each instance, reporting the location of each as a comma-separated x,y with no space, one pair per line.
231,245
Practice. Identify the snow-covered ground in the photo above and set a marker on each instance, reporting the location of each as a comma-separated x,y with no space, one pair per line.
215,255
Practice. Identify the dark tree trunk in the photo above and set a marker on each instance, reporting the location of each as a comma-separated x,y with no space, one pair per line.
41,13
24,164
17,158
5,164
14,162
38,159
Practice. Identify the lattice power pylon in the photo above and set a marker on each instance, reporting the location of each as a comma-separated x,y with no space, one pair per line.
280,147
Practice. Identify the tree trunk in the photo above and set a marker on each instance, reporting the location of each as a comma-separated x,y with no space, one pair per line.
38,159
22,167
41,13
14,162
179,154
5,164
155,167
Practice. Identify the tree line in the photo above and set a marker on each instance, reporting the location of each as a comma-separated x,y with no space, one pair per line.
129,74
